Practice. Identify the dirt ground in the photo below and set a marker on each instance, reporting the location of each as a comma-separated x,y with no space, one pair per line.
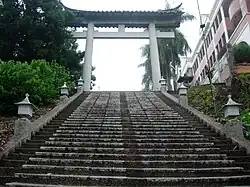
7,123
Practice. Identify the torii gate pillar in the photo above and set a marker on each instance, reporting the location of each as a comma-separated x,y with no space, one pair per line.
87,66
154,55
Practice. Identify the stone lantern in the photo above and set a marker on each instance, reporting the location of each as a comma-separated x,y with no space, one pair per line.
80,83
183,99
182,90
163,83
232,109
64,90
25,107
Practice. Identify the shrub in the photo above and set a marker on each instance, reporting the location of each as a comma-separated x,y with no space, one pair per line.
241,89
242,53
40,79
200,97
245,116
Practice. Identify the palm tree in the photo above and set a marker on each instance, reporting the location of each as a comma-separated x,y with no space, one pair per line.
170,51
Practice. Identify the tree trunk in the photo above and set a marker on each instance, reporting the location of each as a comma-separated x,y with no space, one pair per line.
168,72
175,82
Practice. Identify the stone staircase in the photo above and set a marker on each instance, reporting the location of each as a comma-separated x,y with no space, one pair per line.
125,139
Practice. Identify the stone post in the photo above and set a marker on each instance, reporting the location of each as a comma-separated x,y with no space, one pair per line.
183,98
163,83
25,110
154,54
87,66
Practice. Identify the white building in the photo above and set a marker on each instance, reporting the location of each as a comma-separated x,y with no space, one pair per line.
228,22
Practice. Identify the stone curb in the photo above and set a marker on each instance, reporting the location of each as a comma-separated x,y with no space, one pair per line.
217,127
16,141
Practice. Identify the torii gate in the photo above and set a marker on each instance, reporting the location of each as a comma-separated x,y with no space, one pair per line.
149,20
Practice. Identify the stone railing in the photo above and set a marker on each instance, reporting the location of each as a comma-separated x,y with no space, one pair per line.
232,130
24,128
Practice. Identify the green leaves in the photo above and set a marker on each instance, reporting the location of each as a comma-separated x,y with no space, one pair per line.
42,80
245,117
37,30
242,53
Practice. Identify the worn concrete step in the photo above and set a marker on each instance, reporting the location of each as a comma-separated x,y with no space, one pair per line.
132,163
124,150
12,163
117,122
128,136
57,121
6,179
121,132
142,172
41,136
120,156
127,128
126,125
137,145
21,156
142,140
8,171
240,158
129,181
246,165
18,184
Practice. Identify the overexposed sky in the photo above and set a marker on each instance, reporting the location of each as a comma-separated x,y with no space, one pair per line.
116,61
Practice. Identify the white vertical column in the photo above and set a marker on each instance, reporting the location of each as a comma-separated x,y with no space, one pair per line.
87,67
154,54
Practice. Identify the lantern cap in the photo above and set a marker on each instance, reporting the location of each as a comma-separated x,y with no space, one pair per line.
80,79
183,86
231,102
162,78
64,86
26,101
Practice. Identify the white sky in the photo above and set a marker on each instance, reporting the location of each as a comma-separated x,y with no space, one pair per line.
116,61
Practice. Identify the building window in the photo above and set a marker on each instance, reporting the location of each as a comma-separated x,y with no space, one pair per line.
219,16
220,44
214,59
217,49
224,39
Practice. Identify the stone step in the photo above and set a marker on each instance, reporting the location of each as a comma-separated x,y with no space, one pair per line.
21,156
127,136
12,163
142,172
123,150
138,145
125,125
133,122
8,171
127,128
120,156
128,181
6,179
132,163
121,132
144,140
128,143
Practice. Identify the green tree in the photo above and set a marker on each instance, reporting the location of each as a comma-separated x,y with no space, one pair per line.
37,30
170,51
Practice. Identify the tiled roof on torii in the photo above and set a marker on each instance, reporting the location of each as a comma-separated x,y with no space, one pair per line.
135,18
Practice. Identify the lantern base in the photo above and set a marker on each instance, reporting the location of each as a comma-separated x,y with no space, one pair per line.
22,126
183,100
63,98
